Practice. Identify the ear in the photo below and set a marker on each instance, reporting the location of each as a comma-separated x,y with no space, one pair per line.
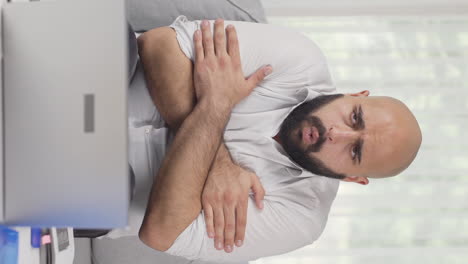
361,93
360,179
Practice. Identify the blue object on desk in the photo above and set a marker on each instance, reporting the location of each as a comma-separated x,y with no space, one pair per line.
8,246
36,234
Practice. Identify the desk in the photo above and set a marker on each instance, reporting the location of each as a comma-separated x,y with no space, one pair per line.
30,255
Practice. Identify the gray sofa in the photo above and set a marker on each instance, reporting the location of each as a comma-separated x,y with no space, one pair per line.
143,15
123,250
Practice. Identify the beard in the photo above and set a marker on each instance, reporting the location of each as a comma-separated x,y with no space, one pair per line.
291,135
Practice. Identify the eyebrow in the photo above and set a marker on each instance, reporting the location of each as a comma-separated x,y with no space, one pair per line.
360,120
360,125
359,150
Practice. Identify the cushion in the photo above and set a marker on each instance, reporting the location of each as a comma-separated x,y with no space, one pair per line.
132,53
144,15
130,249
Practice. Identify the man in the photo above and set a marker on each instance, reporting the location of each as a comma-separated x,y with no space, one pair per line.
289,130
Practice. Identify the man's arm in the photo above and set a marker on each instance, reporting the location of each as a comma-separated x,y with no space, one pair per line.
169,77
185,167
219,84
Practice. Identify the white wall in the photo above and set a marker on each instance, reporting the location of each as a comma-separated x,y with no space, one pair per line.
363,7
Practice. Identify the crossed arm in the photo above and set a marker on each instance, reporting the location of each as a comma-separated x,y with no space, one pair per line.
187,164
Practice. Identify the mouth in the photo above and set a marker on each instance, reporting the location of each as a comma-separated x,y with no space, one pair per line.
310,135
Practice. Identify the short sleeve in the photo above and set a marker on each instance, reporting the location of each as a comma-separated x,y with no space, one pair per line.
276,229
296,60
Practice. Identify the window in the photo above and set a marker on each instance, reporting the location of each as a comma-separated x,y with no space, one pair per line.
421,216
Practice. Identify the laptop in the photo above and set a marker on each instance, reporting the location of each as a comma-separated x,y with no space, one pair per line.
65,114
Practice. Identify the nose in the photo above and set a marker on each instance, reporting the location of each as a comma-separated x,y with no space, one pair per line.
337,134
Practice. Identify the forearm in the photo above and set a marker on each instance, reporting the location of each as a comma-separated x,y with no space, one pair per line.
185,168
169,75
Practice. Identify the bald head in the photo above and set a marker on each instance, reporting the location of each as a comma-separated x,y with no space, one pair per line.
400,136
352,137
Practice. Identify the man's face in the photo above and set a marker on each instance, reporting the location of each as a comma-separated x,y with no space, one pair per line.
350,135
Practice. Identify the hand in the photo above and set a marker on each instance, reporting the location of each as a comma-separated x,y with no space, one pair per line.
218,71
225,199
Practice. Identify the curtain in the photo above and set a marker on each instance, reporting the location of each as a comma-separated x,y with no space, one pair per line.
420,216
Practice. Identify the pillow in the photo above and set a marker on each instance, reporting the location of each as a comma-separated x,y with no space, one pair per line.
132,53
144,15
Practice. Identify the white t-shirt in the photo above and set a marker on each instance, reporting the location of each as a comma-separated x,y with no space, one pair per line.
297,202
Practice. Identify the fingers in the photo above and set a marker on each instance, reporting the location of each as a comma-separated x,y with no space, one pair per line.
258,76
207,38
208,211
197,40
233,44
219,37
213,43
241,220
219,228
230,225
258,190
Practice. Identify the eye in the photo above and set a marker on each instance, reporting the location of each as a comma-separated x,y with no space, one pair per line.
354,152
354,117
